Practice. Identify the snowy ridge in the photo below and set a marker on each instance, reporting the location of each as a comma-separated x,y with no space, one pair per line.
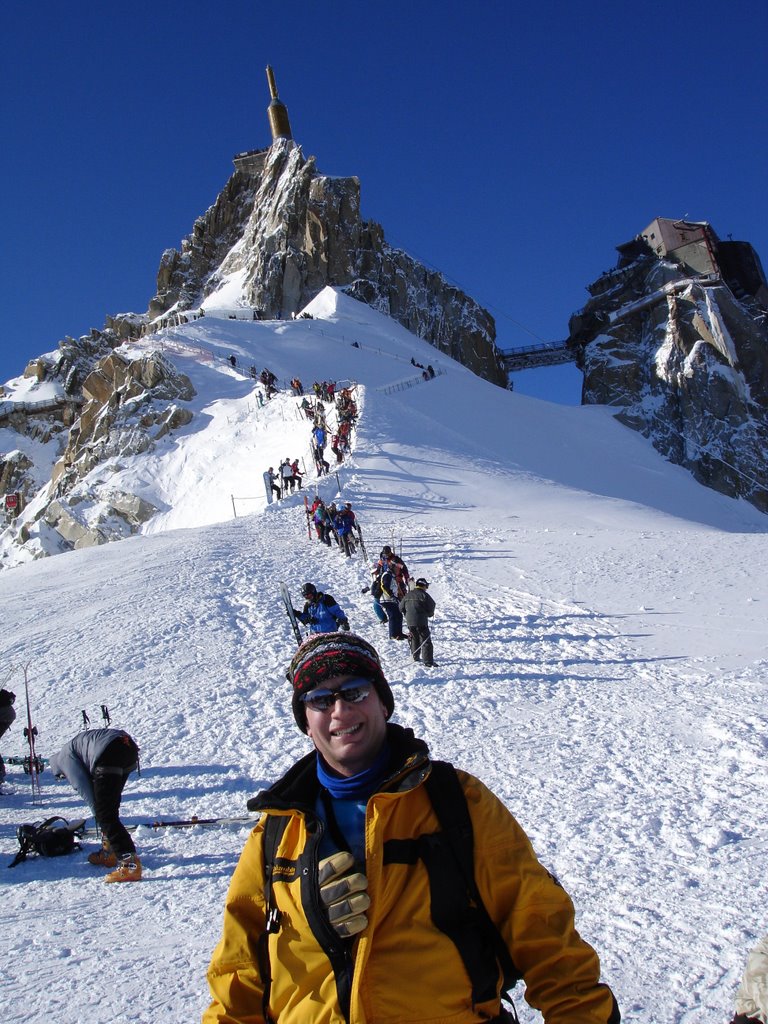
601,664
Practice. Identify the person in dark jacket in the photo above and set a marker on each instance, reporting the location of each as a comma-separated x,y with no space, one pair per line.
320,612
321,463
374,588
418,607
322,520
389,599
7,716
344,523
389,560
97,763
343,927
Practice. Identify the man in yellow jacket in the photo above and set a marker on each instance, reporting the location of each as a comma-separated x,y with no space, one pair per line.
330,915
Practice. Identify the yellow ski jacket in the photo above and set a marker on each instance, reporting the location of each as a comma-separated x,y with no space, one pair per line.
400,969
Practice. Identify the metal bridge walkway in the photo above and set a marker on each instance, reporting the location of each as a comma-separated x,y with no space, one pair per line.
551,353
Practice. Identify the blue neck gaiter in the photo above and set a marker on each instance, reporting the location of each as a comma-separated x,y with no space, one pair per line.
356,787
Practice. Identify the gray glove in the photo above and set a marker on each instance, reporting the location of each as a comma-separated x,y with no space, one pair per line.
342,891
344,625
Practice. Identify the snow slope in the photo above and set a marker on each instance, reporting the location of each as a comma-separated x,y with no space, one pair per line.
601,649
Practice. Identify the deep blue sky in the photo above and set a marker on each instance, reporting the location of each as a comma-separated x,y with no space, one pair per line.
511,146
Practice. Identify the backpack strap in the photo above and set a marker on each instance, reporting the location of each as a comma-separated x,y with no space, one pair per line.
49,822
286,869
456,906
450,806
24,835
274,827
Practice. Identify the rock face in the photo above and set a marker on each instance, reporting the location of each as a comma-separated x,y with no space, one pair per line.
684,361
127,406
280,232
109,408
43,426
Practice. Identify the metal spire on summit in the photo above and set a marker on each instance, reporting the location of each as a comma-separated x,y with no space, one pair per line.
277,111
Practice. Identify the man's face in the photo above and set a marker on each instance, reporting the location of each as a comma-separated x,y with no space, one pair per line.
348,736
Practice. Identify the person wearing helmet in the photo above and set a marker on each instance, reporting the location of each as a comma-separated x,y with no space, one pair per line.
320,612
418,607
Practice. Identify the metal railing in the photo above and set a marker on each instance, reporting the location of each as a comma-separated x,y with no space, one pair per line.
412,382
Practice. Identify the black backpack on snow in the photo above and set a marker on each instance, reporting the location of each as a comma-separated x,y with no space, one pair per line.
53,837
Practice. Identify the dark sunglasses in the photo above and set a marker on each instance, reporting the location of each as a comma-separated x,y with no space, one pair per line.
353,691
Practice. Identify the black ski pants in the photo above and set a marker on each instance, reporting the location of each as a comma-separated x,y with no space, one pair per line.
110,773
6,719
421,643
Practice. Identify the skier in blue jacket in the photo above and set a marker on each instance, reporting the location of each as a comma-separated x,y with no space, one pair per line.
321,613
344,523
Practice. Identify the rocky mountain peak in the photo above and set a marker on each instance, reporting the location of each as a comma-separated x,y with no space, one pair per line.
675,337
280,232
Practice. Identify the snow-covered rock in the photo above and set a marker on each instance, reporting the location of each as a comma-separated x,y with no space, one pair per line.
277,236
685,362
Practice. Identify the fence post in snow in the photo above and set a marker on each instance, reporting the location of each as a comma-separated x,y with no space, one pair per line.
233,505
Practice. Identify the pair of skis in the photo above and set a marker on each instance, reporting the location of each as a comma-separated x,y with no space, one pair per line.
361,543
182,823
34,765
286,596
